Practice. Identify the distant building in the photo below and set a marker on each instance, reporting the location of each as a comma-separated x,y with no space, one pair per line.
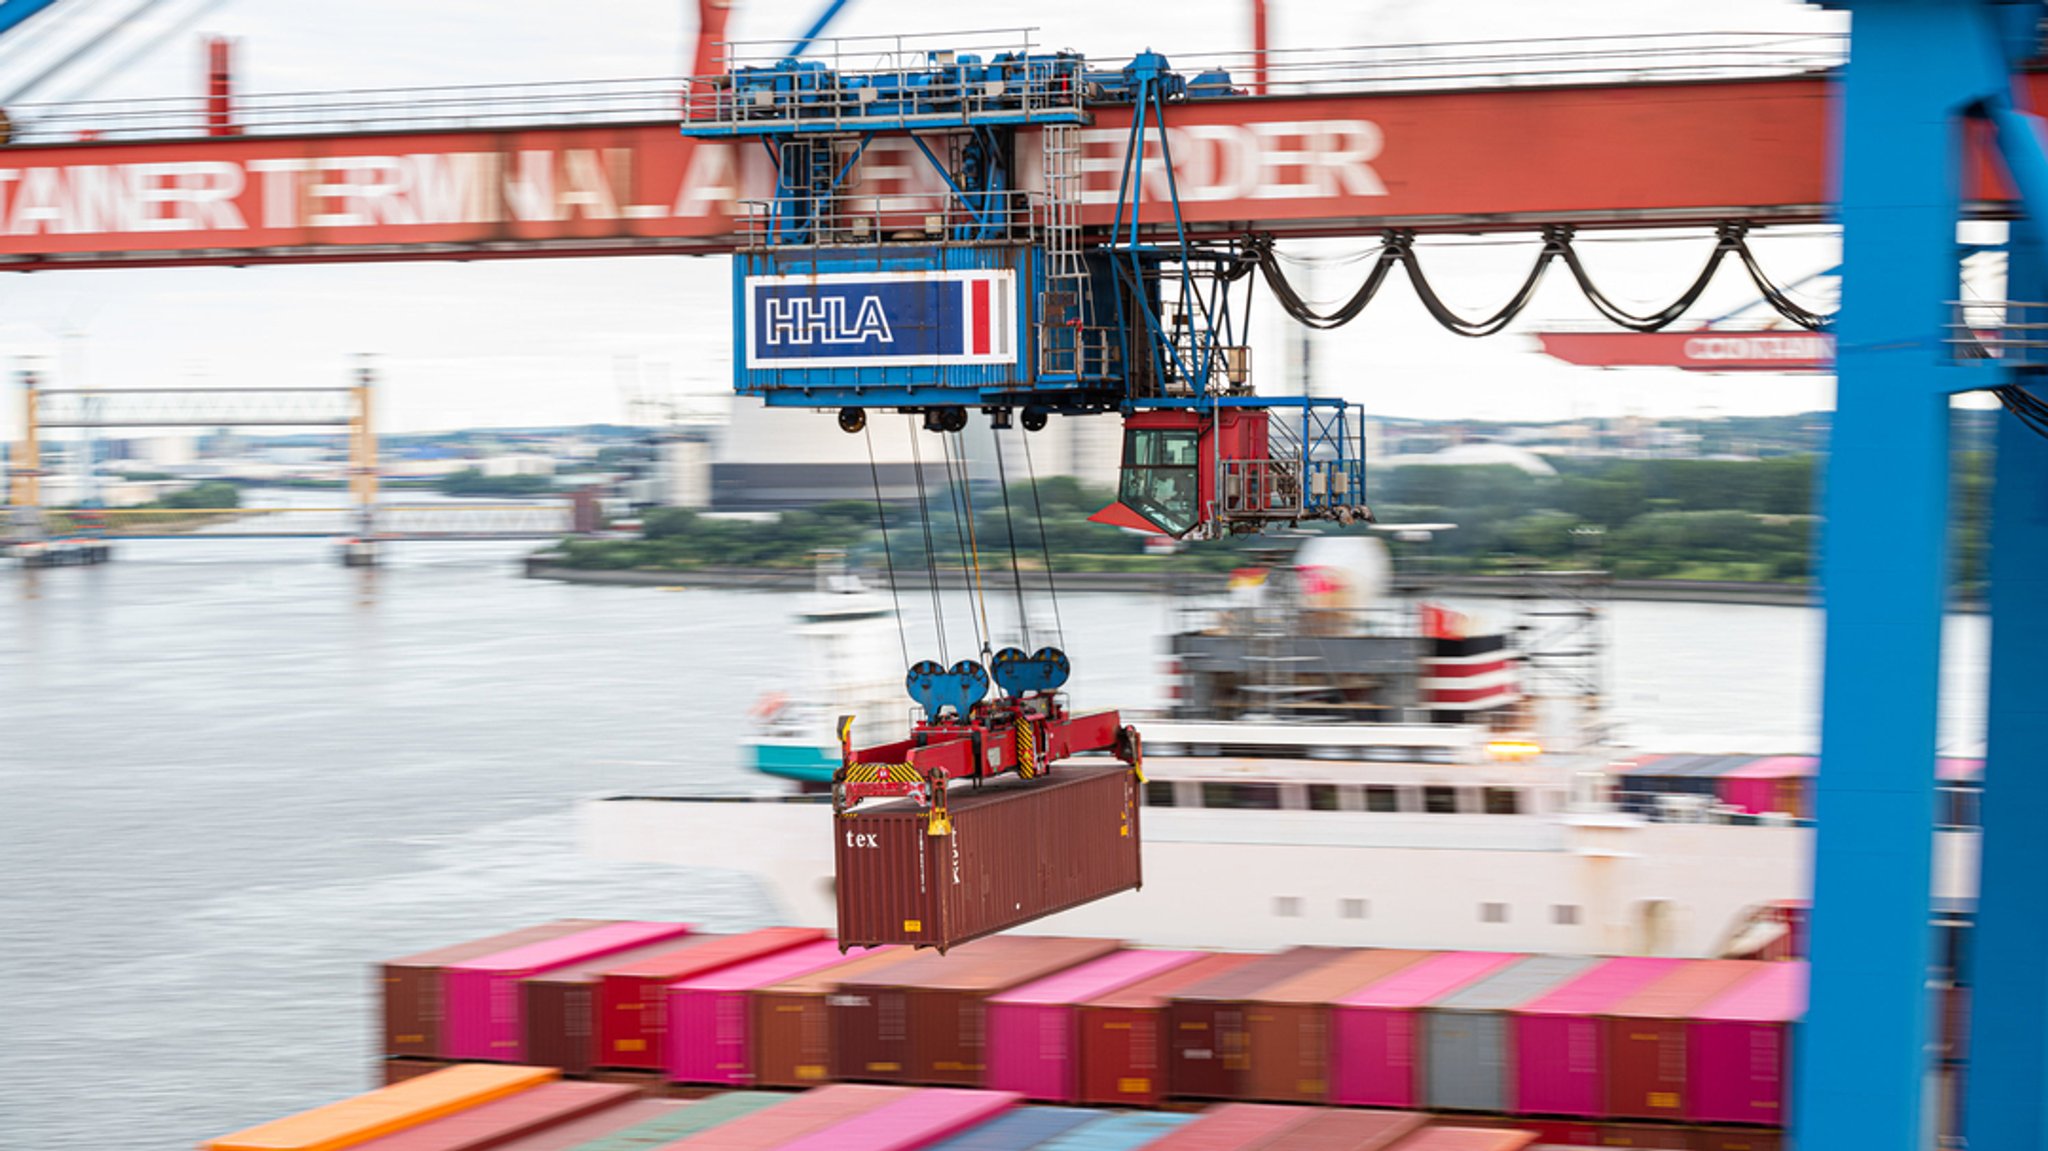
517,464
1477,455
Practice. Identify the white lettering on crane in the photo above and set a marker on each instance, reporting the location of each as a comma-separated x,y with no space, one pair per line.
1269,160
800,320
1758,348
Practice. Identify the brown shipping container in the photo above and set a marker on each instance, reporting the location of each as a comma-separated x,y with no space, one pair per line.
411,987
400,1070
793,1020
924,1021
1646,1037
1019,850
1208,1052
1123,1034
1287,1027
560,1006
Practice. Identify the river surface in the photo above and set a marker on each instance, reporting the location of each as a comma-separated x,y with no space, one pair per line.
233,775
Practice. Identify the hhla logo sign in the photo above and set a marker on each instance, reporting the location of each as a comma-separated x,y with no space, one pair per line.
798,320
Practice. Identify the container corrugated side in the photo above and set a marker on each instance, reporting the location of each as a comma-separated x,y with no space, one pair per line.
711,1017
349,1122
1287,1028
1375,1050
411,988
590,1132
488,1125
792,1119
559,1008
1561,1043
1124,1034
1646,1037
911,1123
1018,850
484,1004
1034,1040
793,1021
632,1010
1208,1049
1738,1047
1467,1052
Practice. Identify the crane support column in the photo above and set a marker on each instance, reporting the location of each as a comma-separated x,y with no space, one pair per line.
1862,1077
2007,1080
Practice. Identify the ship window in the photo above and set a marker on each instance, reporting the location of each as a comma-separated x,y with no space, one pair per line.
1378,798
1493,913
1353,908
1440,800
1287,906
1260,796
1501,801
1161,472
1322,797
1159,793
1564,914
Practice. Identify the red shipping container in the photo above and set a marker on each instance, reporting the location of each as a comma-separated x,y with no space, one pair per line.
1737,1139
1345,1130
414,1003
1375,1053
1288,1027
1561,1043
925,1021
1123,1034
1645,1136
1646,1037
1737,1049
909,1124
1018,850
1466,1139
1208,1048
484,1004
545,1107
1235,1127
559,1007
711,1032
1034,1037
792,1119
633,1012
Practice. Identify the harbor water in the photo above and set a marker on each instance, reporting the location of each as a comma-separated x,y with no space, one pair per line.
233,775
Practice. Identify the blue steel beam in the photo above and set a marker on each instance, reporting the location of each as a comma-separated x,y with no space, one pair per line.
817,28
15,13
1862,1070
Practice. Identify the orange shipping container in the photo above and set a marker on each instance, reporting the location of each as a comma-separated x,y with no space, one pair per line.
387,1109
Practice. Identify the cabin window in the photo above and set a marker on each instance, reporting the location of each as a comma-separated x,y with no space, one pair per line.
1322,797
1564,914
1159,793
1379,798
1501,801
1353,908
1287,906
1493,913
1440,800
1257,796
1161,473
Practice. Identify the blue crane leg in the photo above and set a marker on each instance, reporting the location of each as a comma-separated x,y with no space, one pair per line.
1862,1069
2008,1070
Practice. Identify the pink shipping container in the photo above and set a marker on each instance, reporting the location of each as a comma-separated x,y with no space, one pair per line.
1560,1049
1771,783
1737,1049
1236,1127
711,1017
923,1119
792,1119
1375,1054
1034,1038
484,1009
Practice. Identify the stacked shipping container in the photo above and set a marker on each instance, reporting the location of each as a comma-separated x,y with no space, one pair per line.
711,1017
1208,1048
1738,1049
1646,1038
1375,1051
1561,1042
1124,1033
1034,1035
1466,1049
559,1007
484,1003
633,1010
412,987
1287,1025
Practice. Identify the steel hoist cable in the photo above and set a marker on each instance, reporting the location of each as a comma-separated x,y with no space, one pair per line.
970,555
1010,525
888,557
1052,589
931,553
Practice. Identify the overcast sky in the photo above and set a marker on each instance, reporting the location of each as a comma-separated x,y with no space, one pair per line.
548,341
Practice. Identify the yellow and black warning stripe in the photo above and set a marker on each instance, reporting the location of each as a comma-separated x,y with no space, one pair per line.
882,773
1027,749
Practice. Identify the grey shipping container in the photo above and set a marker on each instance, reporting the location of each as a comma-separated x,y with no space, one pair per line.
1019,850
1465,1036
410,988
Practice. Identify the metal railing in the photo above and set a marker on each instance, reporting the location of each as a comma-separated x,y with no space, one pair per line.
1663,57
1006,217
392,521
1080,352
2012,333
201,407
